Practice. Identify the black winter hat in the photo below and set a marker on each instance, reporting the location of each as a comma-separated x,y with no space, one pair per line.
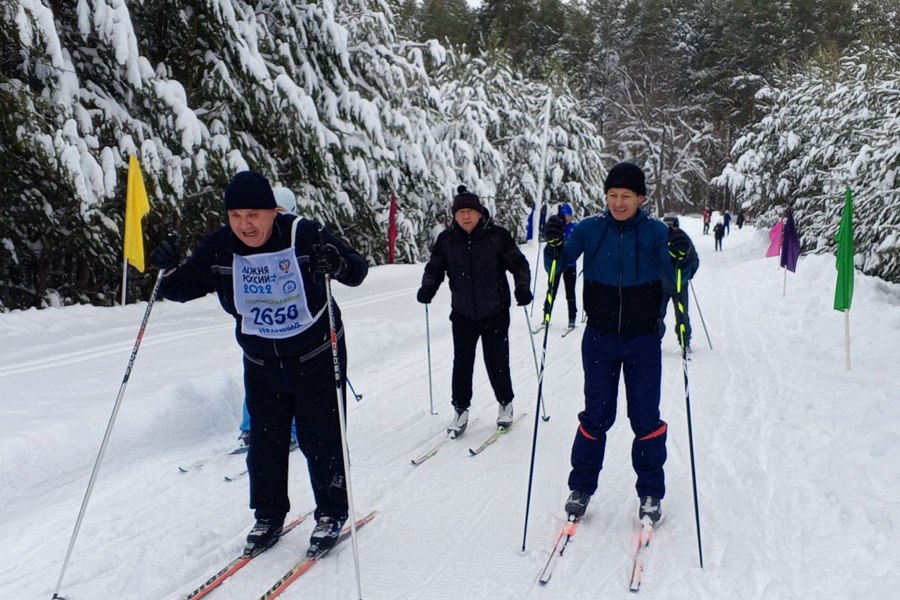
671,220
249,190
466,199
626,175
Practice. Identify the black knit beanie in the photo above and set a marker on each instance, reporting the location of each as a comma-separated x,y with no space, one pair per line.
249,190
670,220
466,199
626,175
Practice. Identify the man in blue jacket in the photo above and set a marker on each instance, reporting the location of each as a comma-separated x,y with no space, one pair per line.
626,255
267,269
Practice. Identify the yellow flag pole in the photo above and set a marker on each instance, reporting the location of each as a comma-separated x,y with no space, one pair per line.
124,278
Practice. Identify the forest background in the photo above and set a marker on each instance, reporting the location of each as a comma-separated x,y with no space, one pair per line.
762,104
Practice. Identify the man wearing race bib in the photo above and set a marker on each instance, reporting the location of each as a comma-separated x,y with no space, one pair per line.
268,270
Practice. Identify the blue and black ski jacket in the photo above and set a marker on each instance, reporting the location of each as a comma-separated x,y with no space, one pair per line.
624,264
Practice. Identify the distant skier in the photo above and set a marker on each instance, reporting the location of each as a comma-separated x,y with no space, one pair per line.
570,273
726,220
268,271
707,217
627,254
719,233
475,254
670,290
542,221
740,219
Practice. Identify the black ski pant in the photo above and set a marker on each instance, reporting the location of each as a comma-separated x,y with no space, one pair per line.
494,334
278,392
568,278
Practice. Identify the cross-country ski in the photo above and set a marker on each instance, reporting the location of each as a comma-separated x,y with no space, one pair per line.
307,563
200,463
435,446
640,555
492,439
559,548
237,564
236,476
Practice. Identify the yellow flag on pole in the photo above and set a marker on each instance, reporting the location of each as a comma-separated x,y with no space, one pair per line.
136,206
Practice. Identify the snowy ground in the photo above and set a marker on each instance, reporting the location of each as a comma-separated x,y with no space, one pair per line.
798,460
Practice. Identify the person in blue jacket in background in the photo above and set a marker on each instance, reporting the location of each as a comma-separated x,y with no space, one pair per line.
627,254
569,275
670,291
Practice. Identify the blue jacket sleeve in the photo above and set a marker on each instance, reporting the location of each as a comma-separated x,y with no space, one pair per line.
572,248
666,262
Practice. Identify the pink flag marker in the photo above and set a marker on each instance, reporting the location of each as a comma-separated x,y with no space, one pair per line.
775,239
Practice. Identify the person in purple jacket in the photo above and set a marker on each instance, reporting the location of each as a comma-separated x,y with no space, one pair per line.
626,255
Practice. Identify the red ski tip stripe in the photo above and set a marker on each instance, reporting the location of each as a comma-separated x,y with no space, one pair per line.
655,433
584,432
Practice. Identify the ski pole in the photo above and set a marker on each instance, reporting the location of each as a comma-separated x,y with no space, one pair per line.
687,400
700,312
355,395
428,343
106,435
537,260
537,371
539,194
548,310
342,422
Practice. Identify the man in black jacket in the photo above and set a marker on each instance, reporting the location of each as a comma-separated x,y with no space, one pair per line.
475,254
268,270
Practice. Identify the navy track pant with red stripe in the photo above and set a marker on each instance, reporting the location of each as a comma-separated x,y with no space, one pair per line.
604,356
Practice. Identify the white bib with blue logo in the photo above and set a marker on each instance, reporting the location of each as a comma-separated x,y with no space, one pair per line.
269,293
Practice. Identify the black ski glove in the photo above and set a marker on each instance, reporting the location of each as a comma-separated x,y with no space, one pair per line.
679,246
328,259
424,295
167,255
523,296
555,230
